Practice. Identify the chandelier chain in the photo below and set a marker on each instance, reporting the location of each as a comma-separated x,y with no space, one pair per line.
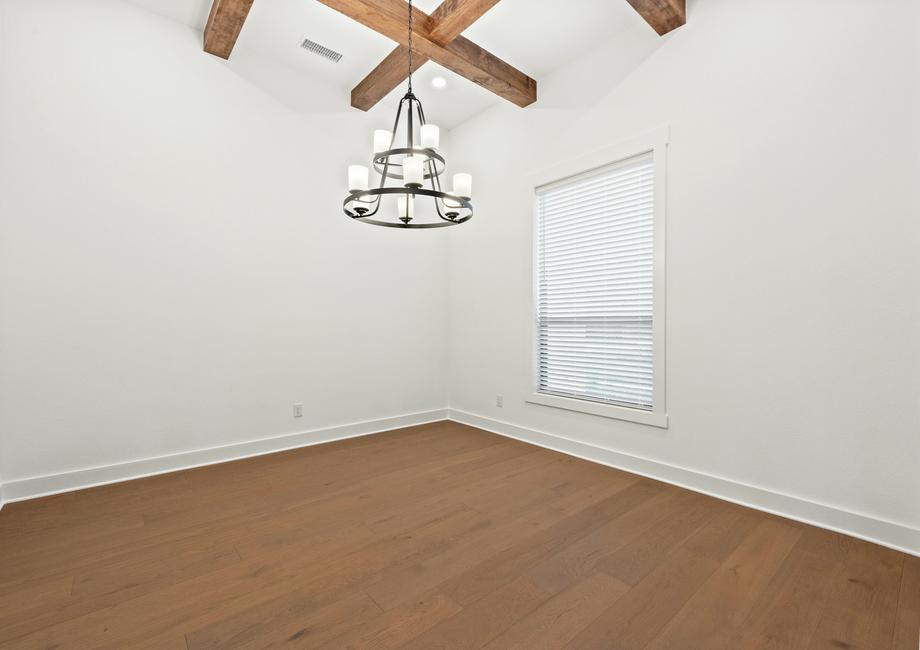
410,46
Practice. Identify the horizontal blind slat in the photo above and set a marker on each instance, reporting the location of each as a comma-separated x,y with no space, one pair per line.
595,243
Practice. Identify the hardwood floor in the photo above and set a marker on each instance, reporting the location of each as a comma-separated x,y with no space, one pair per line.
434,536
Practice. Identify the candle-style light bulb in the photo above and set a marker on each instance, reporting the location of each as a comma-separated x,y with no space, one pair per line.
357,178
382,140
413,173
405,208
430,135
463,185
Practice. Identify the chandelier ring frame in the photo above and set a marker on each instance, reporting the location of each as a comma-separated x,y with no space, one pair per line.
355,212
383,163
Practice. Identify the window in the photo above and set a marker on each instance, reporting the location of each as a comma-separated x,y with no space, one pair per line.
597,308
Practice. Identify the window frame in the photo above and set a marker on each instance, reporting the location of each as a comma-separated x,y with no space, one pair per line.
655,142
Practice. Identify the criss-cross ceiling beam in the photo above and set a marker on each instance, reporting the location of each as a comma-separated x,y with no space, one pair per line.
224,24
437,38
663,15
448,21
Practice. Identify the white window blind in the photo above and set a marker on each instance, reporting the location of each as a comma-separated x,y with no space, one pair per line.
595,263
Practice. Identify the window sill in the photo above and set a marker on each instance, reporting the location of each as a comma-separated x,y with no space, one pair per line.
603,410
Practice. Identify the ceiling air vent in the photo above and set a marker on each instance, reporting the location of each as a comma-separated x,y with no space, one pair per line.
316,48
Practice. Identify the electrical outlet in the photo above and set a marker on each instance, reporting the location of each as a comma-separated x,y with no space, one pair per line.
500,401
298,409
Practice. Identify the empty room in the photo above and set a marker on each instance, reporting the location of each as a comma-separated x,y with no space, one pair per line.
496,324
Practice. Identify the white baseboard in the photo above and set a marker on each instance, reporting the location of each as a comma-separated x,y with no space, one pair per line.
887,533
38,486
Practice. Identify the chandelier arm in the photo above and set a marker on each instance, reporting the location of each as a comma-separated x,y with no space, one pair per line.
434,176
409,131
432,170
376,202
437,208
436,186
440,201
372,212
396,122
386,165
421,113
421,119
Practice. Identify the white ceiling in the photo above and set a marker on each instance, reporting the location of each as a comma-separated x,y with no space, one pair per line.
535,36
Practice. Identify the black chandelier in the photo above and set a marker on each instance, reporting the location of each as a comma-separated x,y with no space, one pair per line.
413,166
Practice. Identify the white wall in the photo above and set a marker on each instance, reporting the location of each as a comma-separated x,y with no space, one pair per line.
175,269
793,357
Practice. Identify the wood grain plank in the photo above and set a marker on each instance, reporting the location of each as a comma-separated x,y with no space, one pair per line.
518,558
477,624
394,585
186,605
789,610
224,25
907,625
300,623
559,619
826,544
663,15
453,17
635,619
124,574
17,599
724,531
717,610
398,626
165,641
308,578
862,606
340,575
386,76
580,558
641,556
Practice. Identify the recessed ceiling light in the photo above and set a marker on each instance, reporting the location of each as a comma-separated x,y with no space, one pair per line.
438,82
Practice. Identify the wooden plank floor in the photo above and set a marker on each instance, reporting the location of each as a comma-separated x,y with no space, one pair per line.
435,536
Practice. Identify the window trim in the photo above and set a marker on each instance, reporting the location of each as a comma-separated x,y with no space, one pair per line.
657,143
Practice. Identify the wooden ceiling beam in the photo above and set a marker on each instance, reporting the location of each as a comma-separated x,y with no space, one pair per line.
388,74
224,24
452,17
389,17
448,21
437,37
663,15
